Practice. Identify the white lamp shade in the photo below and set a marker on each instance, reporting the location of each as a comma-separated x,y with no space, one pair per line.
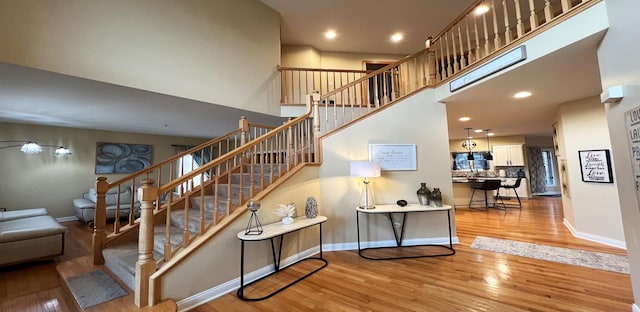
31,148
62,152
365,169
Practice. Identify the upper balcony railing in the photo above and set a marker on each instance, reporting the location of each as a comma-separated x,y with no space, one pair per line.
488,26
470,40
298,83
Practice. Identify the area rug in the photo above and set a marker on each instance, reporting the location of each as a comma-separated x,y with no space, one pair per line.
94,288
595,260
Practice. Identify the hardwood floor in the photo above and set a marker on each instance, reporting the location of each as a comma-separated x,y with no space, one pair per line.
471,280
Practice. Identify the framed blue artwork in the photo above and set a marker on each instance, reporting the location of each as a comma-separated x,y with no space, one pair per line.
122,157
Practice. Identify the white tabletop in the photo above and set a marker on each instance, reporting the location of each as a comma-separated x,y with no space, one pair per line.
407,208
276,229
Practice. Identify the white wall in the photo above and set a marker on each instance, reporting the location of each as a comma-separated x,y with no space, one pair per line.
43,180
593,209
616,68
217,51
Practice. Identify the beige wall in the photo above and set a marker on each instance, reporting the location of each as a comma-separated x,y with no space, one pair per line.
337,60
309,57
417,120
614,54
337,194
216,51
43,180
481,142
300,56
546,141
592,209
203,271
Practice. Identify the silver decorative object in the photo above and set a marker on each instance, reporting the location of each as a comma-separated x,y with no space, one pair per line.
311,208
253,227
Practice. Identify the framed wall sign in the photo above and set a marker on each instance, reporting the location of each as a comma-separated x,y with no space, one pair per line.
595,166
394,156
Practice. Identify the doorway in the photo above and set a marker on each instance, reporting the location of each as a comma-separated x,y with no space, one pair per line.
550,171
382,88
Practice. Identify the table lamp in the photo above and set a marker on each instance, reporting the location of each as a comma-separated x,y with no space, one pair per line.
366,170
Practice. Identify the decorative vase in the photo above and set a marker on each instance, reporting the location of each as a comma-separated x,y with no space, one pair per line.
423,194
287,220
436,197
311,208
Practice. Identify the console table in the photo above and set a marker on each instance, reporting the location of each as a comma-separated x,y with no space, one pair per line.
270,232
389,210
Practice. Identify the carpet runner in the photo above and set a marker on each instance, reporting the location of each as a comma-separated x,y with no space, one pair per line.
590,259
93,288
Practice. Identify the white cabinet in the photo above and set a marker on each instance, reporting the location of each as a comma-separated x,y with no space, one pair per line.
523,189
508,155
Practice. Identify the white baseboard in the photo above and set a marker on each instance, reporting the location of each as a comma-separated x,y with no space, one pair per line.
595,238
229,286
67,219
389,243
201,298
635,308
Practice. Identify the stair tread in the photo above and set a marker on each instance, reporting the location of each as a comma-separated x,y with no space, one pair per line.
126,255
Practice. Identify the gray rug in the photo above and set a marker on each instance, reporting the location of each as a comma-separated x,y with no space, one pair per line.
595,260
94,288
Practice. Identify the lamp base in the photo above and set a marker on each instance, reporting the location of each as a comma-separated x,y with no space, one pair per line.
368,207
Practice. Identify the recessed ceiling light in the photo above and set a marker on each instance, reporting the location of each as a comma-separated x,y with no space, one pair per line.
464,118
330,34
481,9
397,37
490,134
522,94
477,130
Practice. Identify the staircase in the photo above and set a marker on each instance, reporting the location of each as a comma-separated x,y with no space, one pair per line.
121,258
180,212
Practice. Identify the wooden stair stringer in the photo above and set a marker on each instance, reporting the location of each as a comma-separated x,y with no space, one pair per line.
155,284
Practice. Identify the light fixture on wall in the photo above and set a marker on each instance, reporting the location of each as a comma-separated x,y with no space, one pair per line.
30,147
366,170
488,155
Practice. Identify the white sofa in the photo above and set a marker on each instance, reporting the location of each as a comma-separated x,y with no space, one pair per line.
29,234
85,206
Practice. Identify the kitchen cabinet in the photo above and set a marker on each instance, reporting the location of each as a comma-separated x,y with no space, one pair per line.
523,189
508,155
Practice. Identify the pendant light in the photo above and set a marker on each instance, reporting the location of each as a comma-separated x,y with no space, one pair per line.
469,154
488,155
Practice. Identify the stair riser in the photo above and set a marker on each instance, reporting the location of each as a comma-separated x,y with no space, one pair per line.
223,192
246,178
266,169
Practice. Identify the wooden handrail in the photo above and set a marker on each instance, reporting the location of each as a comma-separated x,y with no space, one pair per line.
283,68
164,171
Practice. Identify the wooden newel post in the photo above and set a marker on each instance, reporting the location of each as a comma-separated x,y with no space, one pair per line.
431,58
315,98
291,156
243,124
146,265
100,220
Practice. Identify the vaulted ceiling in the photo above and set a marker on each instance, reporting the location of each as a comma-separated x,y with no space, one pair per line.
362,26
